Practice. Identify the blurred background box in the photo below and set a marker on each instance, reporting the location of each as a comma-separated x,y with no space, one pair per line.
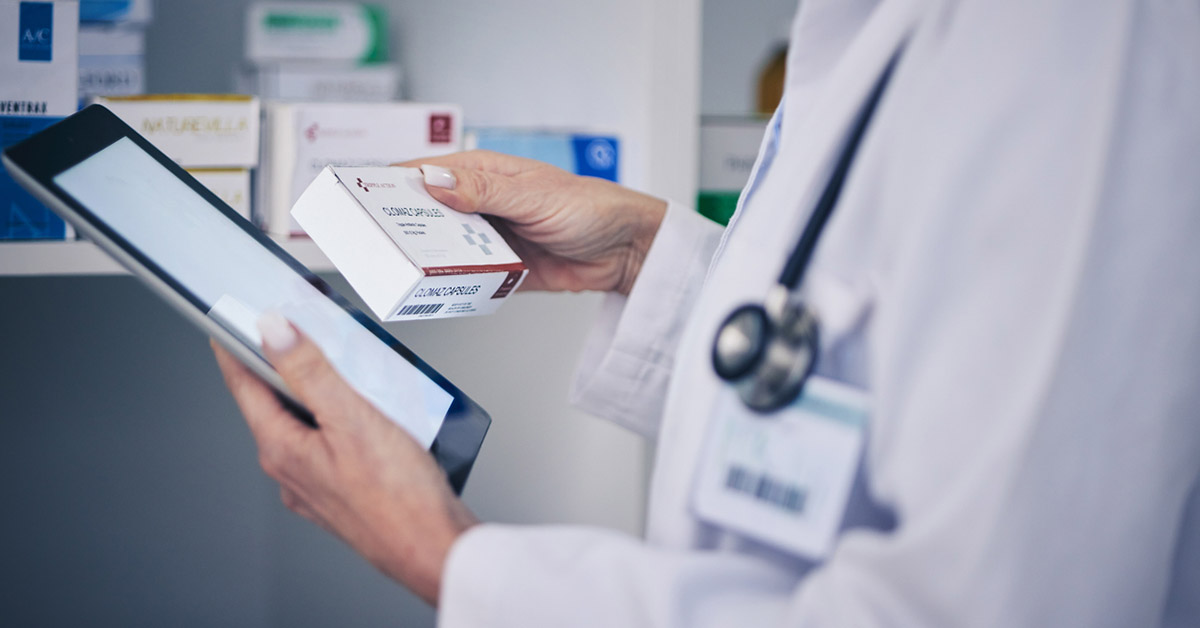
196,130
280,32
39,75
593,155
112,60
321,82
124,12
300,139
728,148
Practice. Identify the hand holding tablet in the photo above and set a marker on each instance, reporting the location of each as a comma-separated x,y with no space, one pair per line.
359,476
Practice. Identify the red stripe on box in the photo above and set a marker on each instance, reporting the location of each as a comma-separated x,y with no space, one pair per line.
437,271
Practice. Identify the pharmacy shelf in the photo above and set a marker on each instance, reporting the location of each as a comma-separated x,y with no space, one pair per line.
84,258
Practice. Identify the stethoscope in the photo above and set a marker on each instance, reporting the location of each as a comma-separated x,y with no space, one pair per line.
768,351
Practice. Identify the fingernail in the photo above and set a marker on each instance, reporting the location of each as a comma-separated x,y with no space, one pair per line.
277,333
438,177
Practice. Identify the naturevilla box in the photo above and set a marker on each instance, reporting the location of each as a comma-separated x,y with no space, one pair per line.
196,130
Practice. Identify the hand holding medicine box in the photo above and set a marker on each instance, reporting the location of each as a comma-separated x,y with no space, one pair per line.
406,254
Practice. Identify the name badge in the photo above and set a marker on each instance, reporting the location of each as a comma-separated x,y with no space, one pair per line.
783,478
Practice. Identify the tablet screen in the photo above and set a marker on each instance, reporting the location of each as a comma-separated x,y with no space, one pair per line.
237,279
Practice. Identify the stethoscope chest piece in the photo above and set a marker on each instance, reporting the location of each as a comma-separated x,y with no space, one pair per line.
766,352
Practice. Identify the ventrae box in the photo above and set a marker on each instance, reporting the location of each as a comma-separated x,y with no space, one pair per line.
406,254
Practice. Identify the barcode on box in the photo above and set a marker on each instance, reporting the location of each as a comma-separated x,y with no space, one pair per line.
764,488
418,310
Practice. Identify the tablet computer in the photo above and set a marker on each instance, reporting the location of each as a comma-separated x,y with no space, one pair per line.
222,273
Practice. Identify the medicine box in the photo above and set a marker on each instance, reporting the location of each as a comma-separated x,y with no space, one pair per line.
321,82
315,31
302,138
39,76
231,185
126,12
579,152
196,130
111,61
406,254
728,149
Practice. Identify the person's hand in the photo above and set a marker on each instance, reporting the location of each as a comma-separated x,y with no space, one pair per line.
573,232
359,475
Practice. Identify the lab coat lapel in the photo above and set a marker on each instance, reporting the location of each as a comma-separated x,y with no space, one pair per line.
812,136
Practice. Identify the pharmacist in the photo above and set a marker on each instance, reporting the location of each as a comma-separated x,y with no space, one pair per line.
997,333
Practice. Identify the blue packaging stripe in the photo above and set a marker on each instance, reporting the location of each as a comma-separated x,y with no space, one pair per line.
22,217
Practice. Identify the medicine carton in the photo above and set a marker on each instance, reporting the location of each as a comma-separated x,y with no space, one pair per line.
196,130
231,185
111,61
406,254
302,138
578,152
728,150
39,75
126,12
315,31
321,82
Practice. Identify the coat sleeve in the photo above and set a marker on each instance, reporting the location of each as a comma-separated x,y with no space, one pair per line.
628,358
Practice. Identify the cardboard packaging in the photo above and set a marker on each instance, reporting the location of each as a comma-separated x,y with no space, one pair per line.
322,82
320,31
39,77
231,185
196,130
126,12
407,255
588,154
112,61
302,138
728,150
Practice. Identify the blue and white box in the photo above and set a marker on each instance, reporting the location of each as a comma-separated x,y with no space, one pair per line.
111,61
39,75
588,154
124,12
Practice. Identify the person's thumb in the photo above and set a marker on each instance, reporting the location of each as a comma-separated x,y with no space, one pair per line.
470,190
303,367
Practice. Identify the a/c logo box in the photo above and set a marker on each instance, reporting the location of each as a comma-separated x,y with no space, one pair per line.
36,41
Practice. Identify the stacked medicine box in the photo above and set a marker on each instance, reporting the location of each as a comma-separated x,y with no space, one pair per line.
215,137
38,80
317,52
112,47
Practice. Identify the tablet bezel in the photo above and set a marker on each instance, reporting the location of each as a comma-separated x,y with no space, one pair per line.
35,162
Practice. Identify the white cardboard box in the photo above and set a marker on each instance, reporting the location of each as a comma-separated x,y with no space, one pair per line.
196,130
126,12
321,82
406,254
302,138
111,61
231,185
315,31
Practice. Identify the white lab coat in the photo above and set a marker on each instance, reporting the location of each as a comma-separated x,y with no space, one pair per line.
1012,274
